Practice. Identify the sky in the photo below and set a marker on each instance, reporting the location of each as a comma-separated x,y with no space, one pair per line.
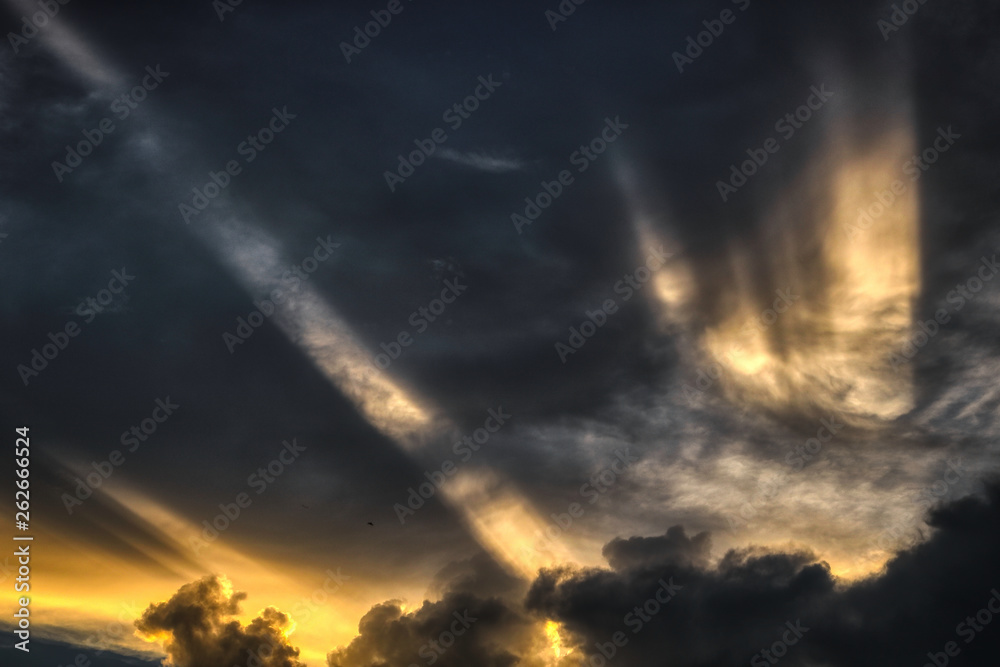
534,333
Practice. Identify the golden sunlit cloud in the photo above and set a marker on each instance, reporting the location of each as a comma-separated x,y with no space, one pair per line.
555,639
198,626
810,312
825,333
505,523
801,318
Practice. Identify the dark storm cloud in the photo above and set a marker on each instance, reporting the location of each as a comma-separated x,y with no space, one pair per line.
674,547
479,574
459,629
728,614
197,629
475,621
665,599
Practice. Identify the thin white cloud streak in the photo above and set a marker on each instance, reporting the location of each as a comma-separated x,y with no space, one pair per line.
69,45
490,163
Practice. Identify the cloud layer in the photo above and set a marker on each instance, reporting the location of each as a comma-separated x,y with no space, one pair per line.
197,628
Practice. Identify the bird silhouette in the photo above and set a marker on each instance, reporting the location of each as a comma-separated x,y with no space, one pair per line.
371,524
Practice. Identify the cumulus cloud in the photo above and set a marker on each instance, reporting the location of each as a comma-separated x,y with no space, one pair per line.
460,629
674,547
664,595
197,629
752,599
480,619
